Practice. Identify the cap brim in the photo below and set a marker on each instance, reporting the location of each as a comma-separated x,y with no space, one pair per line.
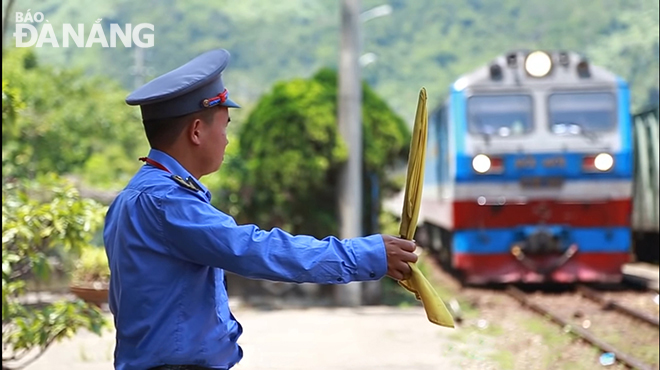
230,104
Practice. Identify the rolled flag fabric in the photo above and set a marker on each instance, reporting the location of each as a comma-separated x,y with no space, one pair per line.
436,311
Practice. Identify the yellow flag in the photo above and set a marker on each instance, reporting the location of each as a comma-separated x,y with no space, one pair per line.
436,311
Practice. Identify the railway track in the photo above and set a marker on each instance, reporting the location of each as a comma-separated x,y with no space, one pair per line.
620,319
609,304
576,317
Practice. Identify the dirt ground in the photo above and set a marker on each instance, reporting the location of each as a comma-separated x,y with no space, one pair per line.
521,339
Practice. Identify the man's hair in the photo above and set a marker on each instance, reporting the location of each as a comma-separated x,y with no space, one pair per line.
162,133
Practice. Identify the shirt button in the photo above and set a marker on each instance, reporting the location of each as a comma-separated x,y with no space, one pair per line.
372,275
340,279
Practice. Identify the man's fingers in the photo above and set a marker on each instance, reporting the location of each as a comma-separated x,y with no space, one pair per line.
408,245
400,253
400,271
408,257
396,275
403,268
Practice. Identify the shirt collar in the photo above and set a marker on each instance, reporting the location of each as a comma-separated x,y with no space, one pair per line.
177,169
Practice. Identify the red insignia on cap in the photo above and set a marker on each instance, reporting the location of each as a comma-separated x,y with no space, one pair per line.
218,99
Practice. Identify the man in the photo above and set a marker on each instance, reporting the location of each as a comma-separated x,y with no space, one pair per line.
168,247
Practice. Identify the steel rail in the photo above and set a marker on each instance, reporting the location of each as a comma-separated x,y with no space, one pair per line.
608,304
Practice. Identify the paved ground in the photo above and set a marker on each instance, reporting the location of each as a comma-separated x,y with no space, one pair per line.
382,338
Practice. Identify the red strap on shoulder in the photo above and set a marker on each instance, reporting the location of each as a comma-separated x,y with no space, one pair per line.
154,163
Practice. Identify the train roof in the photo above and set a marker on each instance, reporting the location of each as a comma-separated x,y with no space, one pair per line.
536,68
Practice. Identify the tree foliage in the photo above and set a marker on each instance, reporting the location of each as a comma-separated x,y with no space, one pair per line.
632,49
39,220
422,43
55,121
284,170
62,121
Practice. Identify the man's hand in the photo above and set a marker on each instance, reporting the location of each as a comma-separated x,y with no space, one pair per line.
399,253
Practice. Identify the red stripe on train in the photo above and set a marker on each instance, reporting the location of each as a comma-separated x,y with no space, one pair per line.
505,268
470,215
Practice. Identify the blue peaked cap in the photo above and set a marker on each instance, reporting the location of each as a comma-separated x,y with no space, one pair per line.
194,86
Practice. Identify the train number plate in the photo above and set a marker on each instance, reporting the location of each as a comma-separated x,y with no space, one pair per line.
541,182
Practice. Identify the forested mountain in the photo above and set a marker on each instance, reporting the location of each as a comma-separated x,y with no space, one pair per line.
422,43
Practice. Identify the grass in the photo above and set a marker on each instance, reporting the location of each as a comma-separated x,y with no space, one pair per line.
472,334
551,334
557,343
644,352
504,359
552,337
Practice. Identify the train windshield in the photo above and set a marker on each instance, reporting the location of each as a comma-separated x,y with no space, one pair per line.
578,113
500,115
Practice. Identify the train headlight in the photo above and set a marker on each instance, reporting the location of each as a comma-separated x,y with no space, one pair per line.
538,64
481,163
603,162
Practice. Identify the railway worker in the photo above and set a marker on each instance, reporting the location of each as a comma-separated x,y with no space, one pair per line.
168,247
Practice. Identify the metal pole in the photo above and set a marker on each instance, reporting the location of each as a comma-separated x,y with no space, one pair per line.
138,67
6,20
350,127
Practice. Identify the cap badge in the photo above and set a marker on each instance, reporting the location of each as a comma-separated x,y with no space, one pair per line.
218,99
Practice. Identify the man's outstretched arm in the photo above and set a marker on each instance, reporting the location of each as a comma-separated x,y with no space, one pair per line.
201,234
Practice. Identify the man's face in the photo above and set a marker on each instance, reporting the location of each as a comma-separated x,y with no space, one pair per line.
215,140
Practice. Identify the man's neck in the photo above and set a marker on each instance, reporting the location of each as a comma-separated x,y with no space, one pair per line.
185,159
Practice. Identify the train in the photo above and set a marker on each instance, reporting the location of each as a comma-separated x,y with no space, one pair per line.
529,172
646,180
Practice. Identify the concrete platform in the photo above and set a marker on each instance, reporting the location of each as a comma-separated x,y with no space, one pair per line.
642,273
383,338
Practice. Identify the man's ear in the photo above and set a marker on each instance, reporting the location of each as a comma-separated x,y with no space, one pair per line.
195,131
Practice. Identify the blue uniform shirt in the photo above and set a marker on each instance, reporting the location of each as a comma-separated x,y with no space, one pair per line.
168,248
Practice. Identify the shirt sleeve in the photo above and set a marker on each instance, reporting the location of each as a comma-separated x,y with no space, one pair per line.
198,232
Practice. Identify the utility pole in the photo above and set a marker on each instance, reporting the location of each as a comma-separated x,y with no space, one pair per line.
138,67
6,16
350,128
371,290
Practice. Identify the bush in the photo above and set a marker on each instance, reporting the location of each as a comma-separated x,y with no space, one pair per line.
91,269
284,172
39,220
61,121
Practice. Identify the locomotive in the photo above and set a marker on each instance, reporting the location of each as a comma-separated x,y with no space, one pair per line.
529,172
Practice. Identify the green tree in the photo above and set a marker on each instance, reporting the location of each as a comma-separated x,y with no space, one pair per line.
61,121
422,43
631,50
283,172
39,220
